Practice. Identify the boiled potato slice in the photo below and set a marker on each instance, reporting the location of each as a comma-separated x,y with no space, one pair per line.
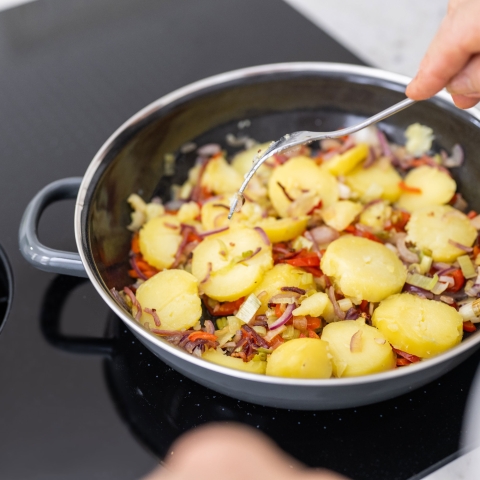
253,366
242,162
217,263
300,358
159,240
437,188
345,162
376,215
300,176
417,325
378,181
220,177
283,229
363,269
357,349
431,228
341,214
316,305
188,212
281,275
174,296
214,213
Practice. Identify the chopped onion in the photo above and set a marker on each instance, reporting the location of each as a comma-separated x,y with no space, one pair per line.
338,311
456,159
248,308
323,235
404,253
275,332
212,232
460,246
345,304
468,269
446,299
447,279
471,311
287,315
209,149
264,236
300,323
422,281
344,191
440,287
290,297
356,342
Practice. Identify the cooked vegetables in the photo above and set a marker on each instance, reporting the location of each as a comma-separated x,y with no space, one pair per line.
417,325
349,257
363,269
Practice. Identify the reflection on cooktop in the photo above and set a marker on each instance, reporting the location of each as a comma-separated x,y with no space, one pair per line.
372,441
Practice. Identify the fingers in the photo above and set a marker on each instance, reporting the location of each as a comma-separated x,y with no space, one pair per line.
456,41
236,452
465,86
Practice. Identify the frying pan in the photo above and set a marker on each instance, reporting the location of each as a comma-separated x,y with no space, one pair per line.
277,99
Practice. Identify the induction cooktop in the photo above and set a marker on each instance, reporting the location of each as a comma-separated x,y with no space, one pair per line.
80,397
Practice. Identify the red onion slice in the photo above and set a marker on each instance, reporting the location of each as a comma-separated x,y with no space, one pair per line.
460,246
209,149
405,254
300,291
336,307
135,303
154,314
323,235
287,315
133,264
249,257
212,232
209,271
264,236
209,327
456,159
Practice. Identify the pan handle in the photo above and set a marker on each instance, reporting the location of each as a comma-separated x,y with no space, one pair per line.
37,254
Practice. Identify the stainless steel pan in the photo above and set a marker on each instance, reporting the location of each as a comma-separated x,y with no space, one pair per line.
276,99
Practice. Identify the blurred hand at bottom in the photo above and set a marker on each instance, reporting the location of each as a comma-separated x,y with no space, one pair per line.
233,452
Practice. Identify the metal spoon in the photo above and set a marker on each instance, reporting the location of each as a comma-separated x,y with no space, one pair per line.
303,138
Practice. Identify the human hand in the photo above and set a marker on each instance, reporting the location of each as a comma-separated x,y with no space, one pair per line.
236,452
453,58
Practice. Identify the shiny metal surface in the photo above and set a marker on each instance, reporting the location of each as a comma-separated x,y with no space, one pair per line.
100,181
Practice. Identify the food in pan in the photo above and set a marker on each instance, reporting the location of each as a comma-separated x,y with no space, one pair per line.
349,257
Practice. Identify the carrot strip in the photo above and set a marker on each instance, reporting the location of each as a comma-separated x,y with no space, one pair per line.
203,336
409,189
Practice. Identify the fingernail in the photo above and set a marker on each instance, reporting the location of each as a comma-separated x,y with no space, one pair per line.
461,85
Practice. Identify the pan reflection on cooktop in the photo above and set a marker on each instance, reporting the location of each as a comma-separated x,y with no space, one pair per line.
393,439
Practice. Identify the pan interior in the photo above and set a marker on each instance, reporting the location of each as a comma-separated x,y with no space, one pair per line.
274,105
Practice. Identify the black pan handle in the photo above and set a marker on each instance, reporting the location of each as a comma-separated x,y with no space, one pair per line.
51,315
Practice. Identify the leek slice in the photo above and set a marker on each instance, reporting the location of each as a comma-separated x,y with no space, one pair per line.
468,269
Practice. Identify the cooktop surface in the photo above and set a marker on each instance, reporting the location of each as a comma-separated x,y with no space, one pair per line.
80,397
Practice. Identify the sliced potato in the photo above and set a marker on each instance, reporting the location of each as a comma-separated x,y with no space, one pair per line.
159,240
281,275
345,162
417,325
300,358
376,215
378,181
357,349
431,228
217,263
174,296
253,366
436,186
220,177
300,176
242,162
363,269
341,214
283,229
316,305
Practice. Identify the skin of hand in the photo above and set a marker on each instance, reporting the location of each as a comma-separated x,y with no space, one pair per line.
453,58
234,452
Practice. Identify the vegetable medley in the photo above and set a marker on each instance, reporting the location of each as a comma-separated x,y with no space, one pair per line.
348,257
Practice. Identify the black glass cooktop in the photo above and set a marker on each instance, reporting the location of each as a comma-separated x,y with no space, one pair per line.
80,397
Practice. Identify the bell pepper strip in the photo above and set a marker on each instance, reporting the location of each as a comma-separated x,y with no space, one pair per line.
202,336
279,309
227,308
318,206
408,188
135,246
304,259
402,362
407,356
276,341
312,334
469,326
459,280
313,323
472,214
362,233
399,221
364,306
316,272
